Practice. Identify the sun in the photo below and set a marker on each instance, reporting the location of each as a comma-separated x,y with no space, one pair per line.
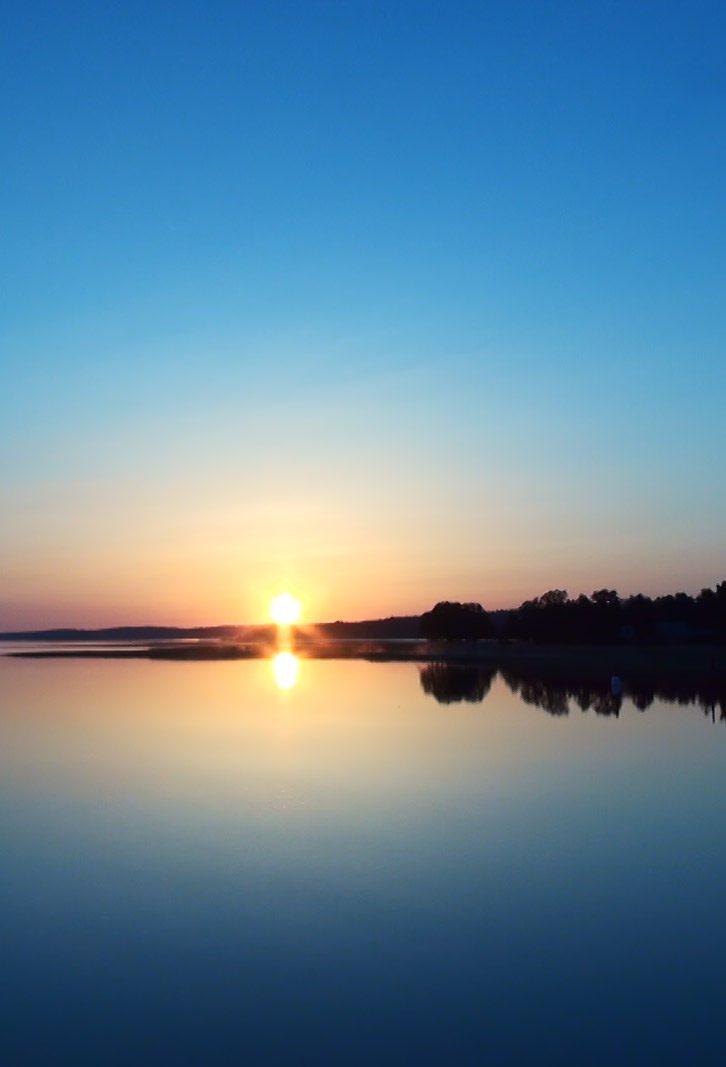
285,609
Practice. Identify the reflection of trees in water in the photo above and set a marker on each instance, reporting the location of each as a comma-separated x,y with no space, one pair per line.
554,693
536,691
451,683
710,693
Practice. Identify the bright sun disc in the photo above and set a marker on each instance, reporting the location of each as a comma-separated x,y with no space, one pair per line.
285,609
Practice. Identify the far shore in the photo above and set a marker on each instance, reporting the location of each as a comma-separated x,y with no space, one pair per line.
692,660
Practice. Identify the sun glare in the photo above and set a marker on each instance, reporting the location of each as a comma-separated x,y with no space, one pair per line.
286,668
285,609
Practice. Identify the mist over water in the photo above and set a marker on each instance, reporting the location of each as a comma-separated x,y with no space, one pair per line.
366,863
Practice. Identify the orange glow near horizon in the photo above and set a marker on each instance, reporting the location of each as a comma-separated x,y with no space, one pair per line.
192,584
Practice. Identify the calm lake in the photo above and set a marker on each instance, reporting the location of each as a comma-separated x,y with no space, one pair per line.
355,863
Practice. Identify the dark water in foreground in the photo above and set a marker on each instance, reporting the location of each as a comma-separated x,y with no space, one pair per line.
201,868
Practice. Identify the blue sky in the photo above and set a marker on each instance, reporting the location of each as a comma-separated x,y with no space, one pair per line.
390,302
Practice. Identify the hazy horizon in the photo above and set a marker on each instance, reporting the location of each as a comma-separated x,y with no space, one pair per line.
306,621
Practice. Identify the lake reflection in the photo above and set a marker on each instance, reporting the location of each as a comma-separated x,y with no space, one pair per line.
285,668
451,683
555,693
201,868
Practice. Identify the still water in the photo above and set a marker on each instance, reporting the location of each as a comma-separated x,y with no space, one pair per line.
355,863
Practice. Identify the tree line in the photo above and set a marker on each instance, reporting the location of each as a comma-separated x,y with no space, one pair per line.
602,617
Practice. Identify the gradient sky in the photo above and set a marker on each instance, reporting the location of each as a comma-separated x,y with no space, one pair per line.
387,302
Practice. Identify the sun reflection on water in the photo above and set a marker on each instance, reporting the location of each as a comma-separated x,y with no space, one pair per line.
286,668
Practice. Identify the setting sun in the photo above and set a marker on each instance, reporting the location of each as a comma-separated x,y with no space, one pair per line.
285,609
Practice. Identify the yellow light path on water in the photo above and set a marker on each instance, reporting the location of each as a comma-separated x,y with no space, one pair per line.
286,668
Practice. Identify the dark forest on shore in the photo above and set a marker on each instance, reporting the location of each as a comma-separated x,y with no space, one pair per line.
603,617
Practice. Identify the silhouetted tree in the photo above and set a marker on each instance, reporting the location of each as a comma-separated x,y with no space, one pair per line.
605,617
451,621
638,613
602,617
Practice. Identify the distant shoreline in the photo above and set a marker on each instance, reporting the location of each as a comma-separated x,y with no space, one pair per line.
622,659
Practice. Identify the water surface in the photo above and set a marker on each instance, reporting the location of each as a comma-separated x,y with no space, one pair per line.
374,865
